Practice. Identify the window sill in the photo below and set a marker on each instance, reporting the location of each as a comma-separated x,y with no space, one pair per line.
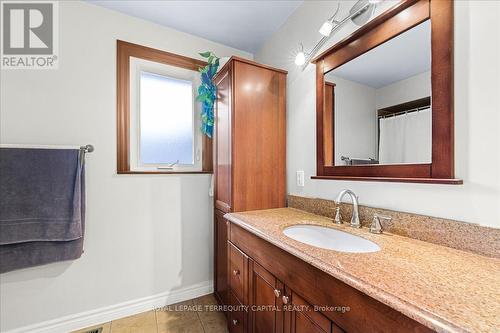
162,172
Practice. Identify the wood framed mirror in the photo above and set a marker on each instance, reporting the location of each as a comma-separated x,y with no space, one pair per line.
384,108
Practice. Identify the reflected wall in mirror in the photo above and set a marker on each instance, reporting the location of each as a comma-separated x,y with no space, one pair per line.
377,106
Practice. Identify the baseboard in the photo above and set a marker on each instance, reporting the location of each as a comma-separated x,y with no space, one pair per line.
105,314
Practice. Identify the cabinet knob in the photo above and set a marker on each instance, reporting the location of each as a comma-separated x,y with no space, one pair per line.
277,292
285,299
235,322
236,272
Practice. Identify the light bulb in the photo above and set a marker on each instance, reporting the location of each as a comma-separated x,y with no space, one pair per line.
326,28
374,1
300,58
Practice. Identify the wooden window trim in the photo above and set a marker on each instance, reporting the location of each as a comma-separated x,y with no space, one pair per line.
125,50
396,20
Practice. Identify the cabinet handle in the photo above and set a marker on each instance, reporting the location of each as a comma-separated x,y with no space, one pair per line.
285,299
235,322
277,292
236,272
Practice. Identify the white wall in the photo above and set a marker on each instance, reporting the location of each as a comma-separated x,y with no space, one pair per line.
410,89
355,119
145,235
477,120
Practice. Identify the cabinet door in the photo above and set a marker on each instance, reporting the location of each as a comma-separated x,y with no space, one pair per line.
258,166
300,317
220,256
223,143
266,307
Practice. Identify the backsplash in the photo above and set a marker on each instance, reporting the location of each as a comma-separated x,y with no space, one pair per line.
455,234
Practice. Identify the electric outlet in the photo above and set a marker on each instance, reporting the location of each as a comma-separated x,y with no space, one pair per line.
300,178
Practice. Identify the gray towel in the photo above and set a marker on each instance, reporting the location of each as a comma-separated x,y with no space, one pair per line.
40,195
42,206
24,255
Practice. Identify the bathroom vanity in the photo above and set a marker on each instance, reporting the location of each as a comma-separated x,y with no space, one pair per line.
406,286
261,274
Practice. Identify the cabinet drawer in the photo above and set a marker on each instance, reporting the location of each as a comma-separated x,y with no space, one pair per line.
237,317
238,272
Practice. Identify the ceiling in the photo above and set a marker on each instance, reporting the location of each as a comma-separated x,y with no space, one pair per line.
404,56
244,25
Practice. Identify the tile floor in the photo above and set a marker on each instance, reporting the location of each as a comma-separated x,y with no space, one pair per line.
182,317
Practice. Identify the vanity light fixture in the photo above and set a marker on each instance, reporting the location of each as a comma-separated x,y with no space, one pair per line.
360,13
327,27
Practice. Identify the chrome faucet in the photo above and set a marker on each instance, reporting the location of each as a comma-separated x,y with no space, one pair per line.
355,212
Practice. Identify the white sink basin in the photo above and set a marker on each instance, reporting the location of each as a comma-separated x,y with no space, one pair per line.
330,239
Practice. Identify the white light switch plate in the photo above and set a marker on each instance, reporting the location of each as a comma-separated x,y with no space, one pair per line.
300,178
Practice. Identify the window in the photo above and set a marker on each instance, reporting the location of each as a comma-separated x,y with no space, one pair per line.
166,120
158,115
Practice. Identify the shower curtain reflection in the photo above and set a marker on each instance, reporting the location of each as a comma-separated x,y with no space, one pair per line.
406,138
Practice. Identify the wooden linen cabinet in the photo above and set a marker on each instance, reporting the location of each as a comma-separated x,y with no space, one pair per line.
249,146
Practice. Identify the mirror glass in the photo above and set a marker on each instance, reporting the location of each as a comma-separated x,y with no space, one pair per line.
378,105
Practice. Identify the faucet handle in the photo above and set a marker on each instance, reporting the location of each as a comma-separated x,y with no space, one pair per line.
376,226
338,217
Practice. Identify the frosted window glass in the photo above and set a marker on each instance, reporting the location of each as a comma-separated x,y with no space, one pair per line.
166,120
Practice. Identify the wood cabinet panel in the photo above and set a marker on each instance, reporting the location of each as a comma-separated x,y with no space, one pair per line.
336,329
303,324
221,226
301,317
258,138
266,315
223,131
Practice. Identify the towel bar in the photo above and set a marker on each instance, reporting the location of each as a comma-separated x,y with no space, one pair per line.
86,148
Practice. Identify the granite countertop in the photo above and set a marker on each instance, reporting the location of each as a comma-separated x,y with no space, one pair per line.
445,289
